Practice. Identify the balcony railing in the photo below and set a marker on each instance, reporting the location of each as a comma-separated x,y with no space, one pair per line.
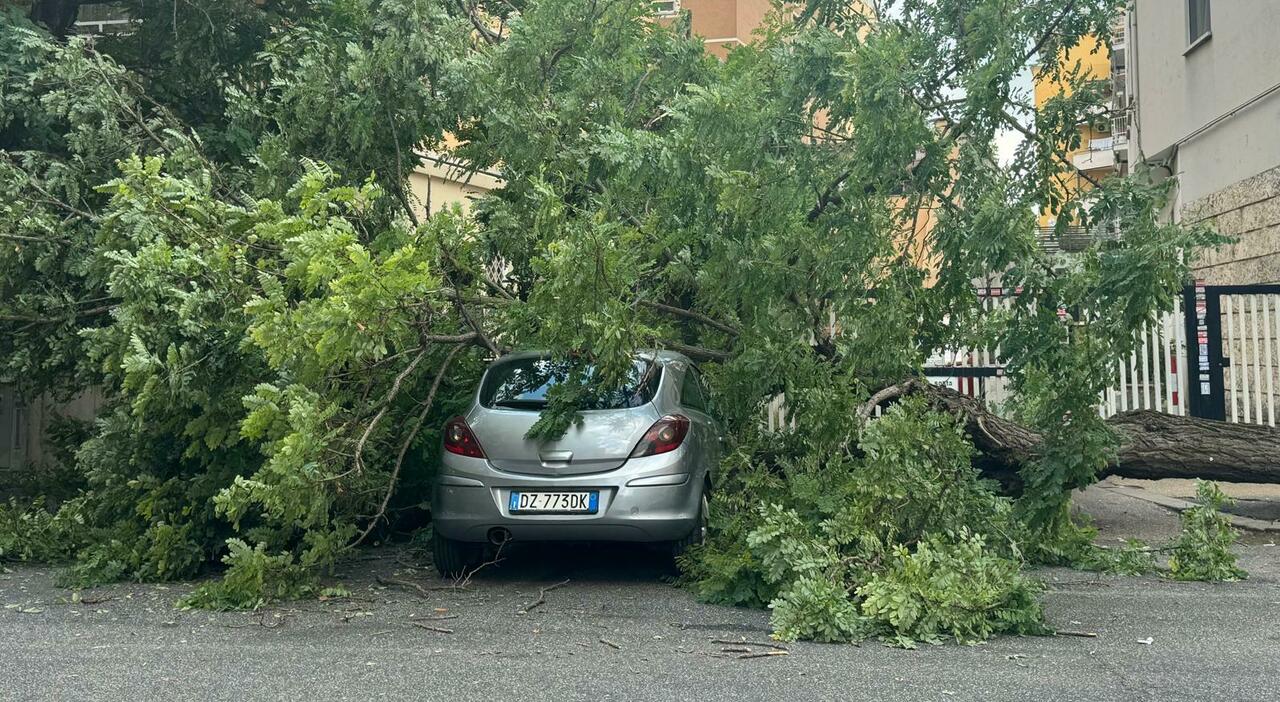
1117,27
1072,239
1120,127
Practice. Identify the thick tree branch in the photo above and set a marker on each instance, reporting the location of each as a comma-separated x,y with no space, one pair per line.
690,314
55,319
1152,444
892,392
408,441
490,37
698,353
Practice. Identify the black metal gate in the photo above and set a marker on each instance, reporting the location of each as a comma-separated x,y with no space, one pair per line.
1233,351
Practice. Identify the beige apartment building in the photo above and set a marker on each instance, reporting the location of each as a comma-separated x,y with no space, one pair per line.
1205,76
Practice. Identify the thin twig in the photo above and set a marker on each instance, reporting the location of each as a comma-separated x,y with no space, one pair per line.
382,410
610,644
1081,634
766,654
497,558
391,582
429,627
542,596
731,642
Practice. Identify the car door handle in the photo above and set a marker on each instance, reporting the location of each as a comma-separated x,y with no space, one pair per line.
555,456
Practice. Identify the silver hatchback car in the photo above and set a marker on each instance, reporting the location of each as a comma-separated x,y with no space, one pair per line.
637,468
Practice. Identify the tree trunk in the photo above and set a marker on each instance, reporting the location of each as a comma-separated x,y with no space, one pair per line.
1153,444
1167,446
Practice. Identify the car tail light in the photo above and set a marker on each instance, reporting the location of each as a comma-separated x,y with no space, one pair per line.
459,439
665,435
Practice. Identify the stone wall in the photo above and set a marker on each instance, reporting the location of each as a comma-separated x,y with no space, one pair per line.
24,425
1248,211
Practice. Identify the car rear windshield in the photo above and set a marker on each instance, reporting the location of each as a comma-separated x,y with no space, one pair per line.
523,383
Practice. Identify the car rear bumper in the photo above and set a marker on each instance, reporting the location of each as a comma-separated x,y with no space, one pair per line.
470,498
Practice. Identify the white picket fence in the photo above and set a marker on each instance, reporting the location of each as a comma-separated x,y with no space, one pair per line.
1152,379
1155,377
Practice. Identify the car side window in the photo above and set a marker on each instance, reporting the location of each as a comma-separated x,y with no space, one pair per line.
691,394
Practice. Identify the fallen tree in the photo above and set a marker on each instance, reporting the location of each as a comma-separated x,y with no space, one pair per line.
1152,444
281,330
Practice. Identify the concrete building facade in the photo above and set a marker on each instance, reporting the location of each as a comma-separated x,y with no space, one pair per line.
1205,76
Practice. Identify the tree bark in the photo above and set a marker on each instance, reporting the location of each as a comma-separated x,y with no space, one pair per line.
1153,444
1167,446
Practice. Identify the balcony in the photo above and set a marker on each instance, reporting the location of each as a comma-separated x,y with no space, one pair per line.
1072,239
1118,28
1120,129
102,18
1100,154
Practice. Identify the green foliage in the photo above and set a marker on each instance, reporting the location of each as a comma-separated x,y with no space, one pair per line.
29,532
875,542
954,587
254,578
1071,542
1203,549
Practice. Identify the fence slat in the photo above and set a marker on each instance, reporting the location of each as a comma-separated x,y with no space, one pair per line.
1271,381
1170,352
1184,378
1133,380
1229,370
1244,363
1146,361
1254,329
1122,387
1159,373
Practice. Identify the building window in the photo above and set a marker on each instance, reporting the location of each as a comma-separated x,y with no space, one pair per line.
1197,21
665,8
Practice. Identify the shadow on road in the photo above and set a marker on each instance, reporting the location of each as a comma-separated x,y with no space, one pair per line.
619,563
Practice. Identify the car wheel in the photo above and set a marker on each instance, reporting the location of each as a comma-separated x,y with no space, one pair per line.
699,533
453,558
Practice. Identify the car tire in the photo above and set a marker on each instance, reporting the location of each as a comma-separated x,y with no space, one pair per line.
699,533
453,558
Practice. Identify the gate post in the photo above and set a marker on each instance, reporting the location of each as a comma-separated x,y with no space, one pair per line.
1202,310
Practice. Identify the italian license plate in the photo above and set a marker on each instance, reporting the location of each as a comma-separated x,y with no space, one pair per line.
555,502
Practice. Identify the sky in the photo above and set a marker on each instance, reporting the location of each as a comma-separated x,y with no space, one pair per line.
1007,140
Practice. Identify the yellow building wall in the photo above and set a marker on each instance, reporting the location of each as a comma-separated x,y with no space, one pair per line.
438,183
1094,58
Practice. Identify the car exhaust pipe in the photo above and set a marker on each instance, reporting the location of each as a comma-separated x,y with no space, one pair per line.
499,536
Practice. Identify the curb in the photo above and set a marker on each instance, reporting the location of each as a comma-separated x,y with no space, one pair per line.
1179,505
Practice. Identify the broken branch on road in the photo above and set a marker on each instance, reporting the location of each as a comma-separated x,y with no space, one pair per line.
542,597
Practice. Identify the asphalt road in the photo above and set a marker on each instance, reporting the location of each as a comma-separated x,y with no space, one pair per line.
127,642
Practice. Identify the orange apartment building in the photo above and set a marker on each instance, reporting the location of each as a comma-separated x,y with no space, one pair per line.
722,24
